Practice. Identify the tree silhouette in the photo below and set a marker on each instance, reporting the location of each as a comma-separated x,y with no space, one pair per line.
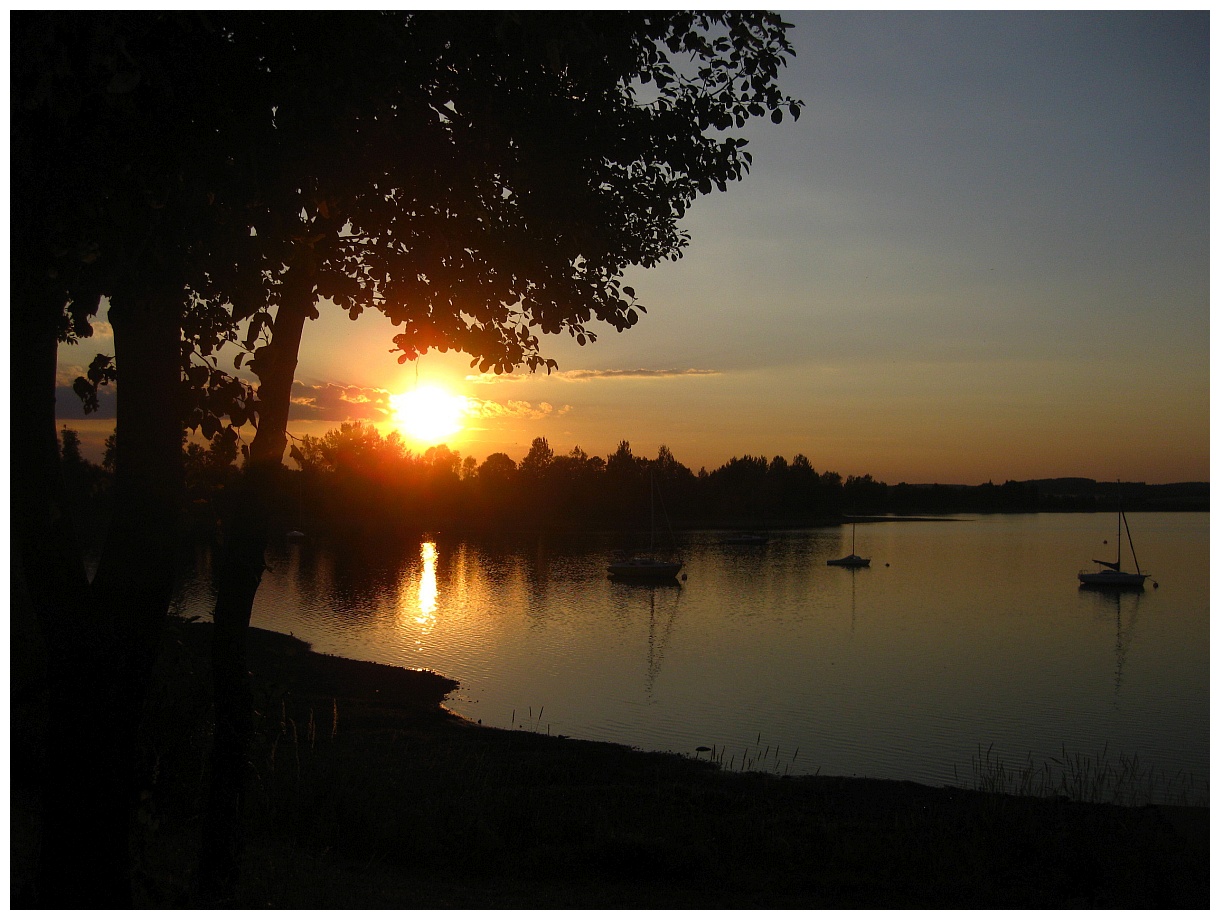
538,461
504,174
103,205
479,178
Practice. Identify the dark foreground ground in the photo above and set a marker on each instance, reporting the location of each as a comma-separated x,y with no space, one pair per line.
366,794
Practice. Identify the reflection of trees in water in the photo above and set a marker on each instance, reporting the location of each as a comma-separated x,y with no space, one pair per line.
195,590
537,576
306,570
366,573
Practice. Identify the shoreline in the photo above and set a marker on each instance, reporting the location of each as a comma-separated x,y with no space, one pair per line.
367,793
419,695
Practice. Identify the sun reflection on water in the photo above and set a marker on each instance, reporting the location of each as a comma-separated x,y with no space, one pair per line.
427,584
421,613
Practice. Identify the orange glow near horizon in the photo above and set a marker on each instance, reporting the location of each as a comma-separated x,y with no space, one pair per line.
429,414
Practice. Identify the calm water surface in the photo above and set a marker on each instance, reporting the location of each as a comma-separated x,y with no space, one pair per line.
964,635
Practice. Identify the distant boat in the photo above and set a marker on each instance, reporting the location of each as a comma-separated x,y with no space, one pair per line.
851,561
647,568
1112,575
644,568
750,537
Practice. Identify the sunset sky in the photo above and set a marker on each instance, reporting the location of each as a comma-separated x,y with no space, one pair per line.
981,253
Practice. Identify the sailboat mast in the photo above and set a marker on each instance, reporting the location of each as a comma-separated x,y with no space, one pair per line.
1134,558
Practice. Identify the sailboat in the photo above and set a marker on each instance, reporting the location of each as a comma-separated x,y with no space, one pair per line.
851,561
646,567
1111,574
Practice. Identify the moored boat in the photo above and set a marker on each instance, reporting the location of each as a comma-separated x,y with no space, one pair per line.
1111,575
646,567
1112,579
851,560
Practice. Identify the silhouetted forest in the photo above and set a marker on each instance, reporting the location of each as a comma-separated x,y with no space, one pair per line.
355,478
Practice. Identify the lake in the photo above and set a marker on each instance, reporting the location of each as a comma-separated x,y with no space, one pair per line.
966,639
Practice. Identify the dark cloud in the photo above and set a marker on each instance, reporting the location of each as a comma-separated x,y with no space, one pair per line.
328,402
68,405
335,402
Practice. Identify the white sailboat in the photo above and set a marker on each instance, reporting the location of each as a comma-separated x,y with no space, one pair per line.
646,567
1111,575
851,561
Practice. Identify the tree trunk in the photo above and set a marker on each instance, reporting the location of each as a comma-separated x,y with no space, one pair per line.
74,826
100,639
240,570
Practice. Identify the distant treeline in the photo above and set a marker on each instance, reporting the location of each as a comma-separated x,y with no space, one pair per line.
355,477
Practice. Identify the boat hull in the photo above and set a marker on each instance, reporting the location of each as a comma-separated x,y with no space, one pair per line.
850,562
644,570
1112,579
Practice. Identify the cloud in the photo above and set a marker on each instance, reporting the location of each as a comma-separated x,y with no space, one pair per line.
514,409
582,375
66,374
68,404
336,402
328,402
102,337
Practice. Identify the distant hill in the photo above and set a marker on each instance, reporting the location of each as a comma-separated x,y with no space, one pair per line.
1062,494
1136,496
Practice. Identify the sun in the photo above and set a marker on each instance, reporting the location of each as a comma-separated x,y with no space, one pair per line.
428,413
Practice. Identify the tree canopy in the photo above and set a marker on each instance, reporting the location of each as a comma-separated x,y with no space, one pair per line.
482,179
477,177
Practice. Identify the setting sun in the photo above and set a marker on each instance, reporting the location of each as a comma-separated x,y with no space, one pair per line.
428,413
